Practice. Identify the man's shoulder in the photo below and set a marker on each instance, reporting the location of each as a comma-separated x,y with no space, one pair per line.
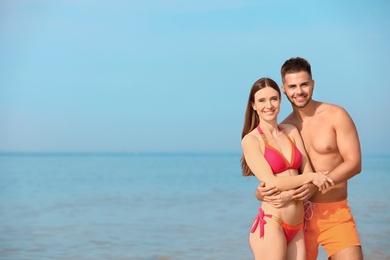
325,105
288,127
330,109
290,119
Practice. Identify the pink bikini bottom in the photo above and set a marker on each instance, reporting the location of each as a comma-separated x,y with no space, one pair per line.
289,230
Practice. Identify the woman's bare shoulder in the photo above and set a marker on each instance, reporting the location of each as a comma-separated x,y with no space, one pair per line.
250,139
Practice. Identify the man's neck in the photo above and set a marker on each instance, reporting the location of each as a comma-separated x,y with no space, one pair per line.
307,111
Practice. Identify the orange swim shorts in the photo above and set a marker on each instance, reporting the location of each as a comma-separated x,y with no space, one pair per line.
330,225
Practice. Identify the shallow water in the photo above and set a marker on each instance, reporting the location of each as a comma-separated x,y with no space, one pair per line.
152,206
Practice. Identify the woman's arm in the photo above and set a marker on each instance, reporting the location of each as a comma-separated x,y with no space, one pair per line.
258,164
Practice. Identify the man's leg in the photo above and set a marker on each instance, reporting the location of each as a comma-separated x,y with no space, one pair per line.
311,232
339,236
350,253
311,245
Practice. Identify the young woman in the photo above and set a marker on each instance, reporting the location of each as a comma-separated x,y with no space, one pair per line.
275,154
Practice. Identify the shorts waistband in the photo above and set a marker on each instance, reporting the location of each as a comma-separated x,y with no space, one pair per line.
329,205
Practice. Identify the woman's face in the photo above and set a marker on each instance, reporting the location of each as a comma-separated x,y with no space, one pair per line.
267,104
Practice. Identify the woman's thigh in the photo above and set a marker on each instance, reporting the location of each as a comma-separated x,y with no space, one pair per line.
272,245
296,247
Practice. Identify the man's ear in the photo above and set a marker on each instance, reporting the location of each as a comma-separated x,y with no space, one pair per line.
283,90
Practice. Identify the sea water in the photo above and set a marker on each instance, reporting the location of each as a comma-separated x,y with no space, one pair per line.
153,206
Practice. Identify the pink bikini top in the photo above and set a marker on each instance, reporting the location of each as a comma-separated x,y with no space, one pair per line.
276,160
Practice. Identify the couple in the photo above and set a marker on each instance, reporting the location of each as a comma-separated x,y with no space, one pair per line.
303,165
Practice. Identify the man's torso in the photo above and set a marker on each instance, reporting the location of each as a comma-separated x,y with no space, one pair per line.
319,137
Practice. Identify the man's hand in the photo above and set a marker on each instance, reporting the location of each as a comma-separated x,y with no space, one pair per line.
281,200
262,191
304,192
273,196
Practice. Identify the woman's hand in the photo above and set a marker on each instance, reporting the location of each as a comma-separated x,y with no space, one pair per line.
321,180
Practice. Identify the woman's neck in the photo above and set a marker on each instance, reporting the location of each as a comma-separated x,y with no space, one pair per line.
270,128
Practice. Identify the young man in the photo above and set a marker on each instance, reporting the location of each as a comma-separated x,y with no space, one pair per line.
332,144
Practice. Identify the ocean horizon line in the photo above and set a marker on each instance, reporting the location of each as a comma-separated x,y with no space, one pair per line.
142,153
117,153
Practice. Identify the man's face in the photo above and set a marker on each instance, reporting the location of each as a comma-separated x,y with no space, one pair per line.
298,88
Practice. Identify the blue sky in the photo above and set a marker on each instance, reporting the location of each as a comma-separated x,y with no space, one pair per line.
173,76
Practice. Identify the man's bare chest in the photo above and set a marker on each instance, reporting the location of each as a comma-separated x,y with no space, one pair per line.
319,138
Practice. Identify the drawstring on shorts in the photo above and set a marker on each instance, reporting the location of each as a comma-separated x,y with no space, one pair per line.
308,205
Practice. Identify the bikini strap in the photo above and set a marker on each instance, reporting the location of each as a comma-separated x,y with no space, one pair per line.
284,132
282,129
260,221
277,219
265,137
262,134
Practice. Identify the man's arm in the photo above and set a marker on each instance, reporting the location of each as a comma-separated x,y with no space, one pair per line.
349,147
